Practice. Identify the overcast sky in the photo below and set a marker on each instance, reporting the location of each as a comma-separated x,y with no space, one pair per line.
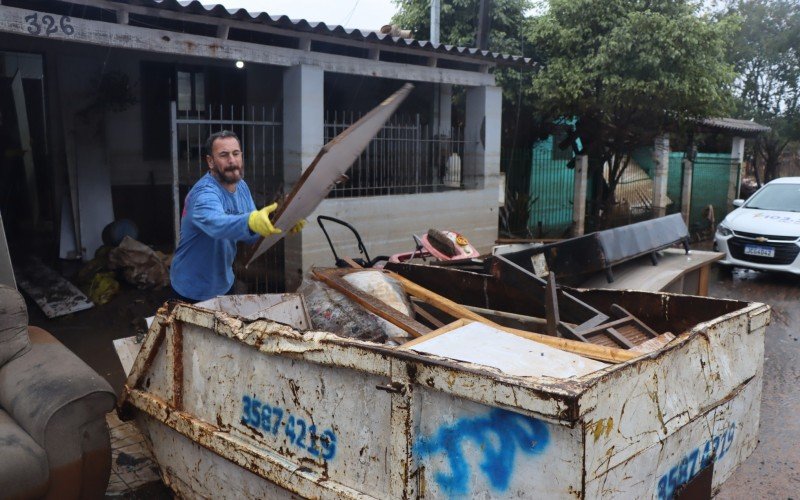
364,14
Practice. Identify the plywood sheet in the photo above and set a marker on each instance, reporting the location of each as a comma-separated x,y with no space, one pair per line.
514,355
52,293
330,165
127,349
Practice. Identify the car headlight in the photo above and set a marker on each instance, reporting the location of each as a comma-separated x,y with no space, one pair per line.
723,230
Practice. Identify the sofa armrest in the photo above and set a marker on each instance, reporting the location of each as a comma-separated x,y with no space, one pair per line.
34,388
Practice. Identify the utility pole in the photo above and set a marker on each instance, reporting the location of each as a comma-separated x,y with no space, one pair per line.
435,11
484,24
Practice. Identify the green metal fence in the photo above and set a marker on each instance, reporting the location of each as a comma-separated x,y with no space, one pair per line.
551,190
675,182
516,164
710,181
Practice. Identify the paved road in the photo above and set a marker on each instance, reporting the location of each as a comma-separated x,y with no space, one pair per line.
773,470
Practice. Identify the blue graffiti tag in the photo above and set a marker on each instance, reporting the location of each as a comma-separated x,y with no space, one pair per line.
695,461
511,432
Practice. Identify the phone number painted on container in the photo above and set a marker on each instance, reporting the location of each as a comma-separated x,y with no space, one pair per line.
261,416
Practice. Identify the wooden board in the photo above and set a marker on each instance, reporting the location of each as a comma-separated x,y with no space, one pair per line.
512,354
127,349
51,292
328,168
640,274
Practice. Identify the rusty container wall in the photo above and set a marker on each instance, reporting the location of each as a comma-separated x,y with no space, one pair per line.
255,409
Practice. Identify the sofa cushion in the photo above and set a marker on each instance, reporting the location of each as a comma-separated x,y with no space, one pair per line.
14,339
23,463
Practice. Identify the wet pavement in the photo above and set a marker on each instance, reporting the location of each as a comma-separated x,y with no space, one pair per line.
773,470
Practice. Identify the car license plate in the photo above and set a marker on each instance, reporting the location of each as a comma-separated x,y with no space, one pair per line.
759,251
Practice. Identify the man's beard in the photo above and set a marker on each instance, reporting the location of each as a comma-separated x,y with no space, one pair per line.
229,175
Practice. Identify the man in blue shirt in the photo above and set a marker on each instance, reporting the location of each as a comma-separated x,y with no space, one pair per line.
219,212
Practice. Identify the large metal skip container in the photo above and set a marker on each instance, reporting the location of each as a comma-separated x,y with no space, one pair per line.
237,408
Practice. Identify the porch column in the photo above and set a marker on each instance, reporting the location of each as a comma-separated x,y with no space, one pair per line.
443,110
686,190
303,135
482,137
660,175
579,195
737,157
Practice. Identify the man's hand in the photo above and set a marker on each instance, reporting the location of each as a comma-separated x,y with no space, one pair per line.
259,221
299,226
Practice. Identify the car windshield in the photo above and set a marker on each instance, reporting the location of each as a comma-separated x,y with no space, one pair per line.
785,197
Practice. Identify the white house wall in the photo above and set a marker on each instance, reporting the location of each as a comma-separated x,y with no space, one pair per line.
386,223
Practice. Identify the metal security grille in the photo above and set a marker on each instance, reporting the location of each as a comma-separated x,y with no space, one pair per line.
260,132
633,197
404,158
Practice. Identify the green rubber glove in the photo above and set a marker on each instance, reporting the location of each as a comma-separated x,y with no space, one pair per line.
259,221
299,226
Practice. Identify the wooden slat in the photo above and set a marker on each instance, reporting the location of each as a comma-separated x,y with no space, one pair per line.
600,353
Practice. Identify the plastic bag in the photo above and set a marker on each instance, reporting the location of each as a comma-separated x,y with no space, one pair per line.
141,265
333,312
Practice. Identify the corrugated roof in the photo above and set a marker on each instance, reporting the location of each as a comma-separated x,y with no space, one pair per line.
333,31
746,127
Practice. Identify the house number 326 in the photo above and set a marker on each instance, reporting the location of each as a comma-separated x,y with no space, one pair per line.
47,25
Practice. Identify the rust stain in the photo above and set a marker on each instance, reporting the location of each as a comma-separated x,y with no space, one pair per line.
177,360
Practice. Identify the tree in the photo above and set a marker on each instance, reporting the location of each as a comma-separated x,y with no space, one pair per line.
628,70
458,22
458,26
766,57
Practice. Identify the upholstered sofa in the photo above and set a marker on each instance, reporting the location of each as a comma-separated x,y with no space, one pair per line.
54,440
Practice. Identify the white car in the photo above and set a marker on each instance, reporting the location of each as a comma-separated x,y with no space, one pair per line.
763,232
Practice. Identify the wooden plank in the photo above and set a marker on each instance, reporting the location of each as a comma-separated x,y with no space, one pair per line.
331,163
702,280
476,342
654,344
444,304
439,331
12,20
425,314
370,303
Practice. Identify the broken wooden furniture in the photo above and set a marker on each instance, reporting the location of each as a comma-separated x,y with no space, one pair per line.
506,286
54,440
334,278
259,409
676,272
577,259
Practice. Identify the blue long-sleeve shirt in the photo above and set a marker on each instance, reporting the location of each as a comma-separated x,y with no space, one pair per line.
213,221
